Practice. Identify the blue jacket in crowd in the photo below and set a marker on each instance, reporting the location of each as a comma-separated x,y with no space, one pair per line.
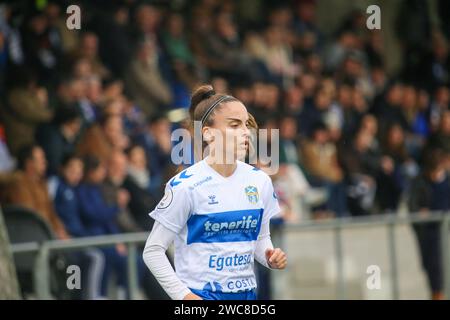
98,217
67,208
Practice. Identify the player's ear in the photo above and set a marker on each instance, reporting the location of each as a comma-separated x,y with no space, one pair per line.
207,134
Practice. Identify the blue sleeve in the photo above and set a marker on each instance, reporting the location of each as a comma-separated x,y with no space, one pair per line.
92,206
67,210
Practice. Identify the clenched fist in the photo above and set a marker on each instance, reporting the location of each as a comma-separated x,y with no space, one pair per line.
276,258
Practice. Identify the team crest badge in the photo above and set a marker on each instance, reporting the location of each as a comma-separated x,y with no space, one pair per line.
252,194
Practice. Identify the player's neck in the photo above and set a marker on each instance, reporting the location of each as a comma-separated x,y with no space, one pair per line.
225,170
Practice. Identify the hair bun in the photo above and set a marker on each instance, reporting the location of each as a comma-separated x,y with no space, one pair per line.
207,95
203,92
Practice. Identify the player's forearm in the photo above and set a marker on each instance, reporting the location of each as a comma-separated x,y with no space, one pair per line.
156,260
260,252
264,242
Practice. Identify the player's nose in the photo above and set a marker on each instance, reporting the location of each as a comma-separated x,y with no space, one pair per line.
246,132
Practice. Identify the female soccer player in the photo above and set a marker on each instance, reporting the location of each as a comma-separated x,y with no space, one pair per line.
216,211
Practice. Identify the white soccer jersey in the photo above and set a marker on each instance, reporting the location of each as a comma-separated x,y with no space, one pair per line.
217,220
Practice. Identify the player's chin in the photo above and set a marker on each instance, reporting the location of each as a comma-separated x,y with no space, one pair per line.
241,152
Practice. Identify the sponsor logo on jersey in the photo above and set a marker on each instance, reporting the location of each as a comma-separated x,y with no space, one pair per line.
199,183
212,199
229,226
238,260
241,284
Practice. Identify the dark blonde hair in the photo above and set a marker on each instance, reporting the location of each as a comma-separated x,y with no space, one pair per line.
204,102
252,121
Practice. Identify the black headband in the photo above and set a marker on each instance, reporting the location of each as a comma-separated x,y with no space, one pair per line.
211,108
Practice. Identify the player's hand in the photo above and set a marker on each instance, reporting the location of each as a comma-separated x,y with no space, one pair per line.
192,296
276,258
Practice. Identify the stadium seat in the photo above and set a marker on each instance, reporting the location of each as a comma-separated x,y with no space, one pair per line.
24,225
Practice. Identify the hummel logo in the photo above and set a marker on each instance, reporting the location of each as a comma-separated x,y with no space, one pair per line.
212,199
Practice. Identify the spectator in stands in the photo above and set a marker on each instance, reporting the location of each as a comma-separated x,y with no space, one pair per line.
137,166
305,26
138,184
354,69
294,188
323,170
117,171
94,95
419,122
369,125
294,100
29,189
398,168
275,52
59,138
67,208
388,110
67,39
360,165
441,138
430,194
440,103
218,45
88,50
350,116
175,42
42,47
435,64
158,146
133,118
146,23
62,189
318,110
101,140
100,218
145,81
346,43
116,45
72,91
26,107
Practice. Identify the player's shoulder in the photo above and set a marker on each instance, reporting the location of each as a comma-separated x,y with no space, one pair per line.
186,177
254,172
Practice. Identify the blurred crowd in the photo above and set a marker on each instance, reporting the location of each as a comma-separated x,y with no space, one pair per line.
86,115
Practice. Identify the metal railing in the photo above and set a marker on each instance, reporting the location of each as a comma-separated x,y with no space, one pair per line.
390,221
41,268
